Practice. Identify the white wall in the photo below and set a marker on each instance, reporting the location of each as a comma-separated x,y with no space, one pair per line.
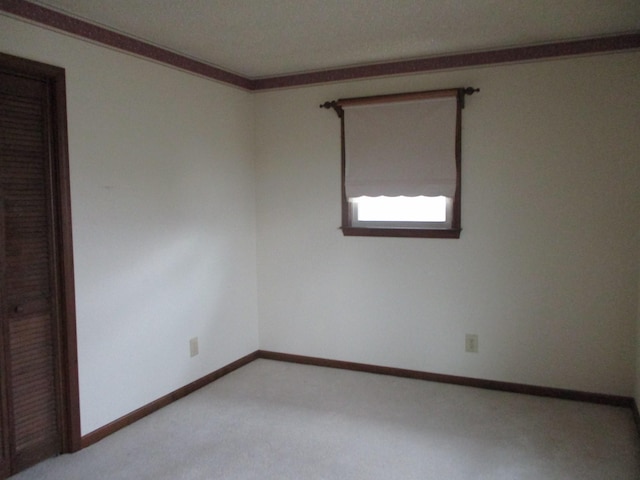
546,270
163,205
163,197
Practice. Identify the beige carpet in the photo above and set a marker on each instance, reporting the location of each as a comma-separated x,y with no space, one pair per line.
274,420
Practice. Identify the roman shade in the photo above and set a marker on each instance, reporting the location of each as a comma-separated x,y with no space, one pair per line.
403,146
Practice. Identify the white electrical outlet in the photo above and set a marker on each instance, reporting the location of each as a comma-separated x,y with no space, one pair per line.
471,343
193,346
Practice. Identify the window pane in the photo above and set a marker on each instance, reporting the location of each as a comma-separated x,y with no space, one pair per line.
401,209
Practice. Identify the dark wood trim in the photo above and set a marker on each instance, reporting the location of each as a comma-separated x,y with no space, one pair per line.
79,28
347,226
5,358
345,215
102,432
348,231
69,353
636,414
461,60
69,397
456,222
600,398
128,419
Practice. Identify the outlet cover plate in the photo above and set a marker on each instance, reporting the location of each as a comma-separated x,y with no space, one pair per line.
471,343
193,346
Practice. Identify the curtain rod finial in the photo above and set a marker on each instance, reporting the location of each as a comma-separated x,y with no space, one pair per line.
335,105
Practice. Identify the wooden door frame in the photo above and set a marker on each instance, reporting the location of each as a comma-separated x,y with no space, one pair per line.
60,201
5,451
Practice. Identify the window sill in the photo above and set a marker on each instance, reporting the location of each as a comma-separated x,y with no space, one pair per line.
400,232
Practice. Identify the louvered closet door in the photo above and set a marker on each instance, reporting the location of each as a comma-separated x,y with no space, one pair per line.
30,427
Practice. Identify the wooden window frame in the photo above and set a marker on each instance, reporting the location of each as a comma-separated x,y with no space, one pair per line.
347,224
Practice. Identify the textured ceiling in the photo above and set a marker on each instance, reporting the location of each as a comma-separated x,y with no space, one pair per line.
264,38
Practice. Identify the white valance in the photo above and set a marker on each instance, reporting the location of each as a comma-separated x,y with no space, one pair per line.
401,148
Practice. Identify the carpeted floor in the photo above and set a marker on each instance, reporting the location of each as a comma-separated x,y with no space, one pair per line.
274,420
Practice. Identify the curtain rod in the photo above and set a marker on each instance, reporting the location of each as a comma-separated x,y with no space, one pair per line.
338,104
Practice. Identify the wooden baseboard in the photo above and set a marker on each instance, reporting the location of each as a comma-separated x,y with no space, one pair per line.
613,400
636,414
145,410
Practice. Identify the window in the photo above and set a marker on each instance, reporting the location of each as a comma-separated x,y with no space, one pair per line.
401,164
409,212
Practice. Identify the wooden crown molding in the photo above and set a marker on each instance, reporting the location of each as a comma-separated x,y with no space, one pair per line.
460,60
89,31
